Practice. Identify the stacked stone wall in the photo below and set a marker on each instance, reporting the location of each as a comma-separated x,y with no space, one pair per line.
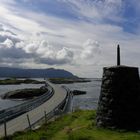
119,102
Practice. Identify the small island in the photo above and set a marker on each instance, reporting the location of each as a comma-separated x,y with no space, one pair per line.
78,92
68,80
25,93
16,81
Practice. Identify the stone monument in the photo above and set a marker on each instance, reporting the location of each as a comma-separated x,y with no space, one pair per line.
119,102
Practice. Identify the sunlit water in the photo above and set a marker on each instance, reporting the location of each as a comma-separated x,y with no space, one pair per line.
87,101
6,88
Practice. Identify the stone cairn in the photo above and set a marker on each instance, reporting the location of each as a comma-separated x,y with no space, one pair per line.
119,102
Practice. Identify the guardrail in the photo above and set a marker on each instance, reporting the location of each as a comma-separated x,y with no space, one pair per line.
67,100
27,120
12,112
56,111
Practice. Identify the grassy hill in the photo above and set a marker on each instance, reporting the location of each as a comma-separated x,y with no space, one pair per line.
79,125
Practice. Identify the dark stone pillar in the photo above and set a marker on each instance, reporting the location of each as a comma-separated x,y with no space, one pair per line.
119,102
118,55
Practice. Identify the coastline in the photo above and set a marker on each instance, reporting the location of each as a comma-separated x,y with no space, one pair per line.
24,94
68,80
16,81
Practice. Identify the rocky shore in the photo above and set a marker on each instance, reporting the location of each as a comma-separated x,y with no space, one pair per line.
78,92
68,80
14,81
25,93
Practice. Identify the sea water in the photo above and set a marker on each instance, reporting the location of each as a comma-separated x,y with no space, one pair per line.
6,103
87,101
90,99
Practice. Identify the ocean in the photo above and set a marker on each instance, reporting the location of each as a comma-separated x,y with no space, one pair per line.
88,101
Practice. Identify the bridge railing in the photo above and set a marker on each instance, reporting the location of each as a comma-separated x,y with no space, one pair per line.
29,121
12,112
59,110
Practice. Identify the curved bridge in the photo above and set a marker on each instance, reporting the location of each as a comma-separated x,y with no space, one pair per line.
21,122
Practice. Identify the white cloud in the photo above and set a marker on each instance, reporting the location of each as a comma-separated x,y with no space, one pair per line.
65,54
30,48
40,51
41,39
97,9
8,43
90,49
49,55
8,35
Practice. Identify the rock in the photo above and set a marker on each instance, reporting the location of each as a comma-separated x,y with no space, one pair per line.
25,93
78,92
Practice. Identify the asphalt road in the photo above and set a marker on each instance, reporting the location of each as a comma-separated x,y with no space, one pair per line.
20,123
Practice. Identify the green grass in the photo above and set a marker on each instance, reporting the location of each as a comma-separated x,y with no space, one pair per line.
68,80
79,125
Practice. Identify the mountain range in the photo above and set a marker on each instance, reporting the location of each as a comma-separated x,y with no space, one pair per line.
35,73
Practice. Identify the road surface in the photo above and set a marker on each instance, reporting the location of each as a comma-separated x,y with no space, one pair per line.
20,123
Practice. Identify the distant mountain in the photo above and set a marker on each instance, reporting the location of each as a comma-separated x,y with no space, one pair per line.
35,73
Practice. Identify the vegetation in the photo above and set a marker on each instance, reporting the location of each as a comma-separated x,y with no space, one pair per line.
14,81
68,80
24,93
79,125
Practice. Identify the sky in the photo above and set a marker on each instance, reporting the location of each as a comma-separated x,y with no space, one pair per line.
80,36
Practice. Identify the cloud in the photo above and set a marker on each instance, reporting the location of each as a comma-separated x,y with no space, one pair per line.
34,36
7,43
7,34
47,54
90,49
13,47
30,48
97,9
65,55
